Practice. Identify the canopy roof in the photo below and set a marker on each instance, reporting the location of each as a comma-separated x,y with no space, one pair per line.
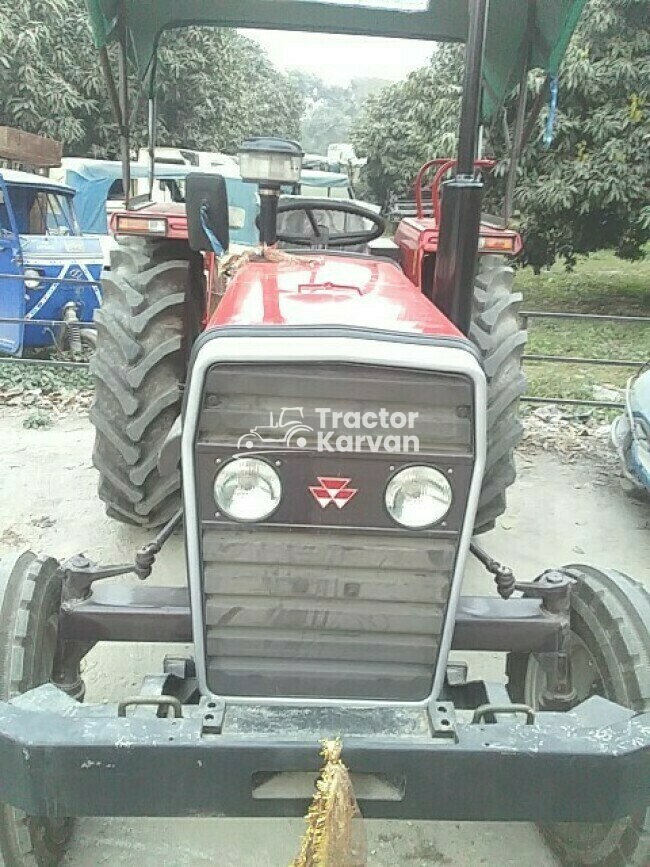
27,179
101,170
315,178
512,37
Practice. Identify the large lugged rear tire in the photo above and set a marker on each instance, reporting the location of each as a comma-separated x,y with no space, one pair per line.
610,626
497,332
30,597
150,315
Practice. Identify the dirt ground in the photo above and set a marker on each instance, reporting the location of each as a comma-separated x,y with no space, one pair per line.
559,513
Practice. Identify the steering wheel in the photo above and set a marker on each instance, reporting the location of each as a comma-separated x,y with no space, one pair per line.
321,237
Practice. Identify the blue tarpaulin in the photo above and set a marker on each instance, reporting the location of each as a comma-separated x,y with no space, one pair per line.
92,180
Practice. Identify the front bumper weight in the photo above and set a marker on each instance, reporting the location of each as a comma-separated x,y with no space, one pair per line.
59,758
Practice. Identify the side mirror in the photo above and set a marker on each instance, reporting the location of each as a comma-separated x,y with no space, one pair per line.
206,203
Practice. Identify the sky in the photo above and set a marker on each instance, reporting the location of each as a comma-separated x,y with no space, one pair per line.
337,59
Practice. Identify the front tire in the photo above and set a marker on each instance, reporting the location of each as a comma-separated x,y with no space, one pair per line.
497,333
610,626
30,597
151,313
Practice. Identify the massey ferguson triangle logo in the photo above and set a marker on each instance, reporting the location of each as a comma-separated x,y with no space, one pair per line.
331,490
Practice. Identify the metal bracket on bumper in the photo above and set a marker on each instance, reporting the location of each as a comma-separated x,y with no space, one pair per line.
60,758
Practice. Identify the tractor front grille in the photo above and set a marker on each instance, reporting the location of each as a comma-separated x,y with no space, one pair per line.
321,602
240,398
334,614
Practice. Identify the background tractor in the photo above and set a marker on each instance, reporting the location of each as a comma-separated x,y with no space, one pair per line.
324,586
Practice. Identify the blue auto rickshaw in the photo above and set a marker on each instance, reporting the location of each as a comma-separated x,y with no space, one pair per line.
49,272
631,434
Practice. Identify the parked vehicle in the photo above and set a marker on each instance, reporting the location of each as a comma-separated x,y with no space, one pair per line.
631,433
99,193
49,272
315,184
323,578
205,161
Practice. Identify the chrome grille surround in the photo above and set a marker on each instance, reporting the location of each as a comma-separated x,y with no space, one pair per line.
395,351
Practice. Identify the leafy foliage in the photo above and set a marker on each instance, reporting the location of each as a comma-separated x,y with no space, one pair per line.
589,190
49,83
215,87
218,87
37,420
409,122
330,110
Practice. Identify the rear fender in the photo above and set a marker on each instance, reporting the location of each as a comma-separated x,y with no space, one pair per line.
418,242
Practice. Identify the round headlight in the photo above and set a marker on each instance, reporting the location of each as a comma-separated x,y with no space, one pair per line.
247,489
418,497
32,278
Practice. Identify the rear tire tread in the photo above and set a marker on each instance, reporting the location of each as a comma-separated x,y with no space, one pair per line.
139,368
497,333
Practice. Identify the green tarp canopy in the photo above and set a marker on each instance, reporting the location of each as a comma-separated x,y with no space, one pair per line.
536,32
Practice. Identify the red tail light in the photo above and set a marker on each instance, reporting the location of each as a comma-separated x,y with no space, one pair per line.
127,224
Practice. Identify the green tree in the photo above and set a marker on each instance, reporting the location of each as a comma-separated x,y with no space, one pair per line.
409,122
218,87
589,189
49,82
330,110
215,87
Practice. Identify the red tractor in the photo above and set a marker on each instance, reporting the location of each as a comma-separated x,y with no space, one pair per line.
323,591
143,350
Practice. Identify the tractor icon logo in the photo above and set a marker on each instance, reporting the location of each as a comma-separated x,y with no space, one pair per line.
291,430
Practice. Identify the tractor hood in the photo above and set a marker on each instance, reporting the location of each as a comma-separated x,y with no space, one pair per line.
327,289
535,34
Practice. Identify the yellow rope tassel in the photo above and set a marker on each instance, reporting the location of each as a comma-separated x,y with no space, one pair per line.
335,836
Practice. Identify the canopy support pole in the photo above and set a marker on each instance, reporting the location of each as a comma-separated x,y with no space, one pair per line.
520,117
145,86
460,214
472,82
151,143
123,85
105,63
517,146
151,126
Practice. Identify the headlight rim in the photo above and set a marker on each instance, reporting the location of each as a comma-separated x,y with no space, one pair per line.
225,512
32,279
421,527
